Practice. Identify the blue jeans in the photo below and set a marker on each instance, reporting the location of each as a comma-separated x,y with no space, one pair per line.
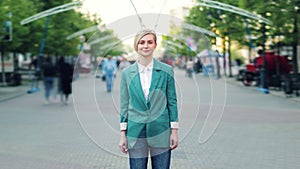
48,82
138,155
109,77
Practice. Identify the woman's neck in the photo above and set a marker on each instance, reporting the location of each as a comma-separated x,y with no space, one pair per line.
145,60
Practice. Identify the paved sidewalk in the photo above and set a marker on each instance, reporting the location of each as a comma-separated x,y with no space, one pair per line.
10,92
272,92
257,131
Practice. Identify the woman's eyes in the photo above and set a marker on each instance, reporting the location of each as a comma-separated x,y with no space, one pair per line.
143,42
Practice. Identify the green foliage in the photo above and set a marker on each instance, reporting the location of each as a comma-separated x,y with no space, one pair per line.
28,37
172,50
284,15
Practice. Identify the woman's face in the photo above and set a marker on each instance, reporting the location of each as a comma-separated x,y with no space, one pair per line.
146,45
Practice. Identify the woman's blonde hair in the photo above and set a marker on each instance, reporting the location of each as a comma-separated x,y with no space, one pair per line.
141,34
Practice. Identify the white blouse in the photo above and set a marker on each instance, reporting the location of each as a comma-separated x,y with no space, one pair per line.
145,77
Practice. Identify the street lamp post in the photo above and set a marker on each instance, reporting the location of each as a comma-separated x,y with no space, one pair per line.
229,57
34,86
263,71
295,43
5,37
43,43
224,39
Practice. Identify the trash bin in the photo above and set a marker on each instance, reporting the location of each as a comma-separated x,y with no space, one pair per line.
208,70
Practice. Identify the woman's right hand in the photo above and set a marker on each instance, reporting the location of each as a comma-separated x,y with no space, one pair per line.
123,143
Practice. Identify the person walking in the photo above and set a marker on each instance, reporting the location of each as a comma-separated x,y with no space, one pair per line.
124,63
65,79
110,69
49,74
148,107
189,68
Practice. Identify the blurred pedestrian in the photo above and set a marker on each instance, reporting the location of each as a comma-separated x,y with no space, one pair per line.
101,69
34,63
34,73
148,113
119,60
124,63
65,71
77,68
110,69
189,68
49,73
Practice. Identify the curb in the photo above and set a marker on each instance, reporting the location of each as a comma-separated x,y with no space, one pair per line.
270,92
18,92
12,97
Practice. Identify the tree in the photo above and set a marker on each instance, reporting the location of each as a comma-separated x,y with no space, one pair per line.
283,14
27,38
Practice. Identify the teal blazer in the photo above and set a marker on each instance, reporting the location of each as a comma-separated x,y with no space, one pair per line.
154,114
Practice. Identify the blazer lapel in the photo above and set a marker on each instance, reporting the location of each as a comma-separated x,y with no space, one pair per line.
155,76
135,77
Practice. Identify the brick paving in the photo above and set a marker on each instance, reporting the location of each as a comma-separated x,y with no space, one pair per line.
256,130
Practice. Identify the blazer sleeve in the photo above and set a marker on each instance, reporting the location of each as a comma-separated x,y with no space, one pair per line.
124,102
172,100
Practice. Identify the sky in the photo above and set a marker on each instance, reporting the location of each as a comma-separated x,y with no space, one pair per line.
112,10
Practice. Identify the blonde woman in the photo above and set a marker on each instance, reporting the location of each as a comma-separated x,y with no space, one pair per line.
148,107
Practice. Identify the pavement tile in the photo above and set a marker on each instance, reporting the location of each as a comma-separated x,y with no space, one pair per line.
50,136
